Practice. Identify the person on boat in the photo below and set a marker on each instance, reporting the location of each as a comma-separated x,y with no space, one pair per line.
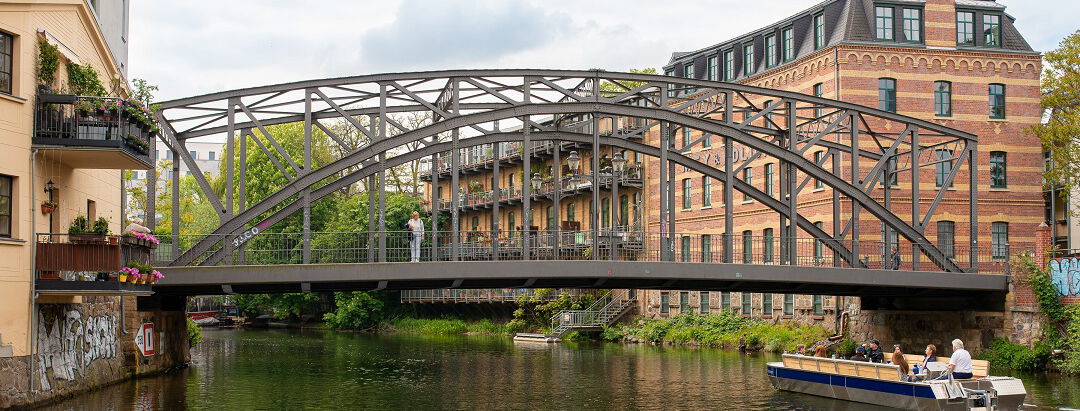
901,362
860,354
931,356
800,349
820,351
874,354
960,362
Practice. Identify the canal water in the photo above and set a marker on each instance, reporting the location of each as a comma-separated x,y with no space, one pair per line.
287,370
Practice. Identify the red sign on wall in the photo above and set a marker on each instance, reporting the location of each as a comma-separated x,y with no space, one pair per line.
145,340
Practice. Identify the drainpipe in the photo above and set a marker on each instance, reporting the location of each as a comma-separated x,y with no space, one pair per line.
33,266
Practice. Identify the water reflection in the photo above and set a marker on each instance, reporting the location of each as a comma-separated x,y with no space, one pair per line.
325,370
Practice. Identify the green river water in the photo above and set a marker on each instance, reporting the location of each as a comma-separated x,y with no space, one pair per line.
317,370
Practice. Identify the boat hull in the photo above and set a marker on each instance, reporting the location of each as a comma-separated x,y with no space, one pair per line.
898,394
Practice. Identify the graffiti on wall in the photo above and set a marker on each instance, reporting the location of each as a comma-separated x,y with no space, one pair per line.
68,343
1065,273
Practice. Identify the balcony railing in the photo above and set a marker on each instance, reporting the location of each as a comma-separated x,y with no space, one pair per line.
92,123
631,177
86,257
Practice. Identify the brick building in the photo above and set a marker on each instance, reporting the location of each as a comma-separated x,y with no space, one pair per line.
958,63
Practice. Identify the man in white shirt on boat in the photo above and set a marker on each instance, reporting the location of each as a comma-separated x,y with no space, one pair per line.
960,362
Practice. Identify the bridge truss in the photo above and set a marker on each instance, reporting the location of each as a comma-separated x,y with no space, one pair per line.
635,112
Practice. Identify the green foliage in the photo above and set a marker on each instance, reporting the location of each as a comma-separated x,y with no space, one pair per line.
1060,135
101,226
355,310
48,61
846,347
446,326
84,80
1042,285
279,306
79,225
1005,354
143,91
535,312
1070,364
609,89
612,333
194,333
723,330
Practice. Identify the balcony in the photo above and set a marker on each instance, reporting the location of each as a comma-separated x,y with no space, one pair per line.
92,132
87,264
569,186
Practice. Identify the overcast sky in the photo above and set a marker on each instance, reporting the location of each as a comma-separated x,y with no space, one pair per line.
197,47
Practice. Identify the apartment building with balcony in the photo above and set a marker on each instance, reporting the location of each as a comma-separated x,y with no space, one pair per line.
959,63
68,133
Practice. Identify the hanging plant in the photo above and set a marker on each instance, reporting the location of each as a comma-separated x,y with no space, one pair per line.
48,62
84,80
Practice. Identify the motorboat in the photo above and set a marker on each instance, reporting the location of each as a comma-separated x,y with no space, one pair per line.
882,384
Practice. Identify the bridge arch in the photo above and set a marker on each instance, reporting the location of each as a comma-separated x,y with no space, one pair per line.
662,101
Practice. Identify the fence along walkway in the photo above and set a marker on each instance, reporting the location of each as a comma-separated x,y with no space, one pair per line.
620,245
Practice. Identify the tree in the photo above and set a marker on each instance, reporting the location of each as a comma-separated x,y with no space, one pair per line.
609,89
1060,134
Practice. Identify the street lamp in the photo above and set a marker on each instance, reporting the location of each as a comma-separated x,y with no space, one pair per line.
619,162
536,181
574,160
49,187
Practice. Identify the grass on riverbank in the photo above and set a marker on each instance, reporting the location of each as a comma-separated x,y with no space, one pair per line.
718,330
443,326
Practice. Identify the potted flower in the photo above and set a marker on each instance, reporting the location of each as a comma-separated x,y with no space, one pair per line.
101,228
47,207
155,275
80,232
141,239
128,271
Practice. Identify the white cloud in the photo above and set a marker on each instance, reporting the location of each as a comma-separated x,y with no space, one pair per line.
190,48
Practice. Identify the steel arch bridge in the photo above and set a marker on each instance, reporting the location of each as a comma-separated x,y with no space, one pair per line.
635,112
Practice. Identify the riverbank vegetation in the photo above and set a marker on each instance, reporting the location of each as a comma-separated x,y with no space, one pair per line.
725,330
443,326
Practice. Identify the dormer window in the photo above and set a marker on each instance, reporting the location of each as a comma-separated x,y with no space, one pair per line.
883,23
992,30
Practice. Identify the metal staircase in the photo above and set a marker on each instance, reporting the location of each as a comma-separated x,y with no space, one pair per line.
603,312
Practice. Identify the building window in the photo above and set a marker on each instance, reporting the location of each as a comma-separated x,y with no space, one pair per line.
686,201
789,43
913,25
946,238
770,50
684,302
686,136
570,212
476,223
725,301
7,42
767,245
729,65
670,86
997,170
605,212
887,94
713,67
194,155
665,302
748,59
746,304
706,141
819,246
706,191
748,178
766,304
819,92
892,238
819,306
789,304
817,160
703,303
769,179
819,31
551,218
891,176
685,245
6,183
212,155
706,248
992,30
999,239
688,70
997,101
883,18
943,98
747,246
510,220
624,210
943,167
965,28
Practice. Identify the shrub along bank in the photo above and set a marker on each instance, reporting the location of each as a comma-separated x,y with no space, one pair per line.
724,330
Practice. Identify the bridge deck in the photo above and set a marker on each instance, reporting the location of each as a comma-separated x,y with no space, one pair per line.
581,274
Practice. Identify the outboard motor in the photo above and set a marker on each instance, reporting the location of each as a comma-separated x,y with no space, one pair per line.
981,400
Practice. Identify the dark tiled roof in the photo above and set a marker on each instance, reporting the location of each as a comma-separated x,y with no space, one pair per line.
845,21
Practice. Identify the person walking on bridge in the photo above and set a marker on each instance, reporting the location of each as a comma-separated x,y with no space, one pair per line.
416,235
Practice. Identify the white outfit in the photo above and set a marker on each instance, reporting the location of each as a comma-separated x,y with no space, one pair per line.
962,360
416,235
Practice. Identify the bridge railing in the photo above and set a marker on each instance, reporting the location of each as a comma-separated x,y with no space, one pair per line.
487,295
622,244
